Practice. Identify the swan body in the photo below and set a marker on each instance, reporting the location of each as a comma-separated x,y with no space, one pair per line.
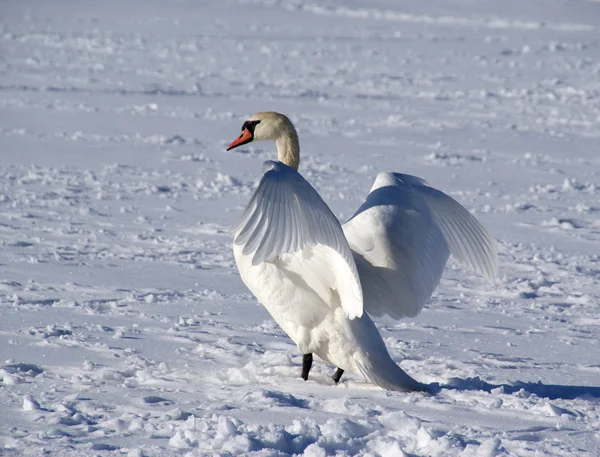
320,280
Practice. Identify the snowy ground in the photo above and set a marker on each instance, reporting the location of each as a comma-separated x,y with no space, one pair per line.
125,329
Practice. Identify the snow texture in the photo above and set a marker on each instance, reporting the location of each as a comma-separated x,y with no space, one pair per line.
125,329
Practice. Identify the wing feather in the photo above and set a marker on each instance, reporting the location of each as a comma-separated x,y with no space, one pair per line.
468,240
286,215
402,237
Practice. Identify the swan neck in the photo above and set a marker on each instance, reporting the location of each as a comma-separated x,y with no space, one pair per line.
288,149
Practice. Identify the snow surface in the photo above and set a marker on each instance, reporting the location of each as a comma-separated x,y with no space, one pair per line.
125,329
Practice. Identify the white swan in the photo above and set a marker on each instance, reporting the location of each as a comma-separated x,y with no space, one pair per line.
317,278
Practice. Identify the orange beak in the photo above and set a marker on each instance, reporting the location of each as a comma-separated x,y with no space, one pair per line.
245,137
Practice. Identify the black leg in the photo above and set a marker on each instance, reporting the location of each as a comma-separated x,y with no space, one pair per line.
337,375
306,364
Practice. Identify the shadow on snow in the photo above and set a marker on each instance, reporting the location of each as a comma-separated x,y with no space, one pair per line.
551,391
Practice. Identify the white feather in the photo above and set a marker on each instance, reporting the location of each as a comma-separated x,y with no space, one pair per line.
286,215
402,236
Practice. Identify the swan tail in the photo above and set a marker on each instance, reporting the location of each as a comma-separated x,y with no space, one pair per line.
372,360
386,374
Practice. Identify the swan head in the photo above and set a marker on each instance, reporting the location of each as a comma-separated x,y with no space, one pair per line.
272,126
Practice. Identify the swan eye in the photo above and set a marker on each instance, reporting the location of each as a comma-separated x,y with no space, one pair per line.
250,125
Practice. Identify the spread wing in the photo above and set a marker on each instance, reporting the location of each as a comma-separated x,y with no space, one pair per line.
286,215
402,236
